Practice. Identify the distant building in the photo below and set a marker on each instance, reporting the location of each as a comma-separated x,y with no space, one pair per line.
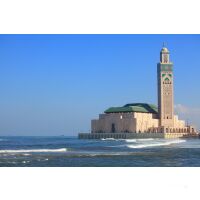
143,117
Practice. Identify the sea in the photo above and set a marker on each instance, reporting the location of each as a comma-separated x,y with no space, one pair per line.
63,151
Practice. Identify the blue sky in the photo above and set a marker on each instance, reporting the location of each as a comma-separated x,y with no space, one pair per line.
55,84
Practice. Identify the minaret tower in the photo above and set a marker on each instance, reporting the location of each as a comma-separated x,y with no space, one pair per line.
165,89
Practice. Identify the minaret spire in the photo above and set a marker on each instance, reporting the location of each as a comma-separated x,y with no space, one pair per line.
164,44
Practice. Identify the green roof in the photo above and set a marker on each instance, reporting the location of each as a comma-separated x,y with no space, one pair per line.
134,107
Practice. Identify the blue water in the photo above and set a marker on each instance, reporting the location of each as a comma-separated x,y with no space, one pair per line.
72,152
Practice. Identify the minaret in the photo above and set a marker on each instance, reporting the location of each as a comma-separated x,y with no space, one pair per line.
165,89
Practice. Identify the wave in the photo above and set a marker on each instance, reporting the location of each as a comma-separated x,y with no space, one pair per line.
138,140
106,154
156,144
25,161
33,150
108,139
131,140
26,154
100,154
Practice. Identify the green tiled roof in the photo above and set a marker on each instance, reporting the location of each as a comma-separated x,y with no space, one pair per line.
134,107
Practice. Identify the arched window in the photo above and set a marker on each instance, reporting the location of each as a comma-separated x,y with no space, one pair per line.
166,81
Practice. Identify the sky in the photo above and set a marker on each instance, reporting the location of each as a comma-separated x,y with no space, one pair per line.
55,84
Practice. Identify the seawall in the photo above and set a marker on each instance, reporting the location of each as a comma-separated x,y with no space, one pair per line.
134,135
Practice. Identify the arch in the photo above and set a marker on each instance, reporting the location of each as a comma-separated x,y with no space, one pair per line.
185,130
166,79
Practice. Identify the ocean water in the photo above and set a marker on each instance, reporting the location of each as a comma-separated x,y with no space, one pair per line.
72,152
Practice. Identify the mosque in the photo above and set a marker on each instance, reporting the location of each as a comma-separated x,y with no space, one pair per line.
143,120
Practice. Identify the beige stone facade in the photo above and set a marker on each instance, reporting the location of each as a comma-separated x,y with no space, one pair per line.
124,122
136,123
165,89
144,119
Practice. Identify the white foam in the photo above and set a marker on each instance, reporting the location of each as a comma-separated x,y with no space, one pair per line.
145,139
33,150
131,140
139,140
155,144
108,139
26,154
107,154
25,161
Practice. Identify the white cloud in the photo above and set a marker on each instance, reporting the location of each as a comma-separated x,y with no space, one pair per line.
181,109
189,114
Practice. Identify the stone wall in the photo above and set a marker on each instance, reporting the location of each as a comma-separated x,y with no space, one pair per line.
134,135
124,122
136,122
